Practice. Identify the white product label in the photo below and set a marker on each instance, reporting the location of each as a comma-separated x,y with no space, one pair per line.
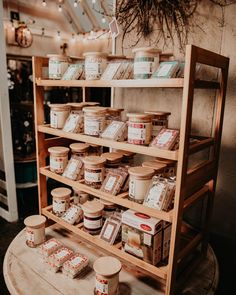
110,71
53,119
92,176
71,123
112,130
101,286
59,206
132,188
110,183
50,245
92,68
72,169
57,69
136,133
61,254
56,164
109,229
29,236
76,261
71,215
165,138
92,224
147,239
92,126
155,196
143,67
164,70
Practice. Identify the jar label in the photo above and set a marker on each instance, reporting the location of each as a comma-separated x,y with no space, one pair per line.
53,119
110,183
101,286
92,126
76,261
59,206
50,245
132,188
57,164
72,123
92,68
29,236
92,224
61,254
143,67
93,176
73,168
137,133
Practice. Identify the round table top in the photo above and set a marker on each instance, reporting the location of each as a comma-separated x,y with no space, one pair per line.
25,271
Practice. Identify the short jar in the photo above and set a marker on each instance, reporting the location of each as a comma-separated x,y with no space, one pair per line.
80,149
95,64
35,230
80,197
57,65
107,271
113,114
159,121
139,128
95,150
113,159
58,158
109,208
94,120
94,171
145,62
128,157
58,115
159,168
171,167
140,180
61,200
93,221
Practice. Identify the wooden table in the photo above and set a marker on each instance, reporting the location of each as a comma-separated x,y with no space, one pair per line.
25,272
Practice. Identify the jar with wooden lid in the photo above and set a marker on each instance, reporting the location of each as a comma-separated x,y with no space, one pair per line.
95,64
93,221
35,230
140,180
159,168
95,150
57,65
113,114
145,62
94,120
79,196
113,159
94,171
107,271
80,149
76,107
109,208
159,121
58,158
61,200
171,167
128,157
139,128
58,115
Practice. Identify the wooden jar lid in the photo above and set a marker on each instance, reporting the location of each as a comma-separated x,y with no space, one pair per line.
59,57
90,103
76,105
158,113
35,221
107,203
165,161
125,153
112,157
61,192
107,266
79,147
59,150
114,57
112,111
95,110
94,145
139,117
141,172
59,106
95,53
94,160
154,165
147,49
92,207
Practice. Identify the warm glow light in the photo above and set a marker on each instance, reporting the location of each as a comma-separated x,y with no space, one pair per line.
58,35
73,38
59,8
103,19
44,3
93,1
75,3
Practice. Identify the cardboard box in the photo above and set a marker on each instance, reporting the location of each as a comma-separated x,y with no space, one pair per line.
166,240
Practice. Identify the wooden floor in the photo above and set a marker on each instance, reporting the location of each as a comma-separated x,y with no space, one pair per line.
24,265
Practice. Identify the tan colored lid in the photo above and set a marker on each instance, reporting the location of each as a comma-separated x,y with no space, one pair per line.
92,207
94,160
112,157
158,113
90,103
107,203
100,54
94,145
95,110
139,116
58,56
60,192
76,105
79,147
113,56
147,49
107,266
154,165
114,110
59,106
126,153
165,161
35,221
59,150
76,57
140,171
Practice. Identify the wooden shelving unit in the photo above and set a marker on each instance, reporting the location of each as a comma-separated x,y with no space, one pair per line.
192,185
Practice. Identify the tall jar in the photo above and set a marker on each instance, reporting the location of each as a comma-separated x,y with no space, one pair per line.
58,115
95,64
61,200
94,171
93,216
57,65
35,230
113,159
159,121
58,158
159,168
139,128
94,120
107,271
145,62
140,180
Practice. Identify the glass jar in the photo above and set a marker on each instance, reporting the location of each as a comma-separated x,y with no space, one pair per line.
139,128
95,64
109,208
94,120
80,149
58,158
128,157
159,121
140,180
95,150
94,171
171,167
145,62
113,114
57,65
107,275
61,200
58,115
159,168
113,159
35,230
93,216
80,197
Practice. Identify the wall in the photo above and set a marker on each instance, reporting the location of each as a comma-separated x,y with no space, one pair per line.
210,35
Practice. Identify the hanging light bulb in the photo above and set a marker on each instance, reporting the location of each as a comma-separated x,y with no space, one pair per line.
103,19
73,37
93,1
75,3
58,35
44,3
92,32
59,8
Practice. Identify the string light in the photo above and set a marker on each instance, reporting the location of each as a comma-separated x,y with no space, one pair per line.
93,1
59,8
73,38
43,32
44,3
92,32
75,3
58,35
103,19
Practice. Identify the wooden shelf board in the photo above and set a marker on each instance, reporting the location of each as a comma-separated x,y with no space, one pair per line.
160,272
120,199
195,197
145,150
190,246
